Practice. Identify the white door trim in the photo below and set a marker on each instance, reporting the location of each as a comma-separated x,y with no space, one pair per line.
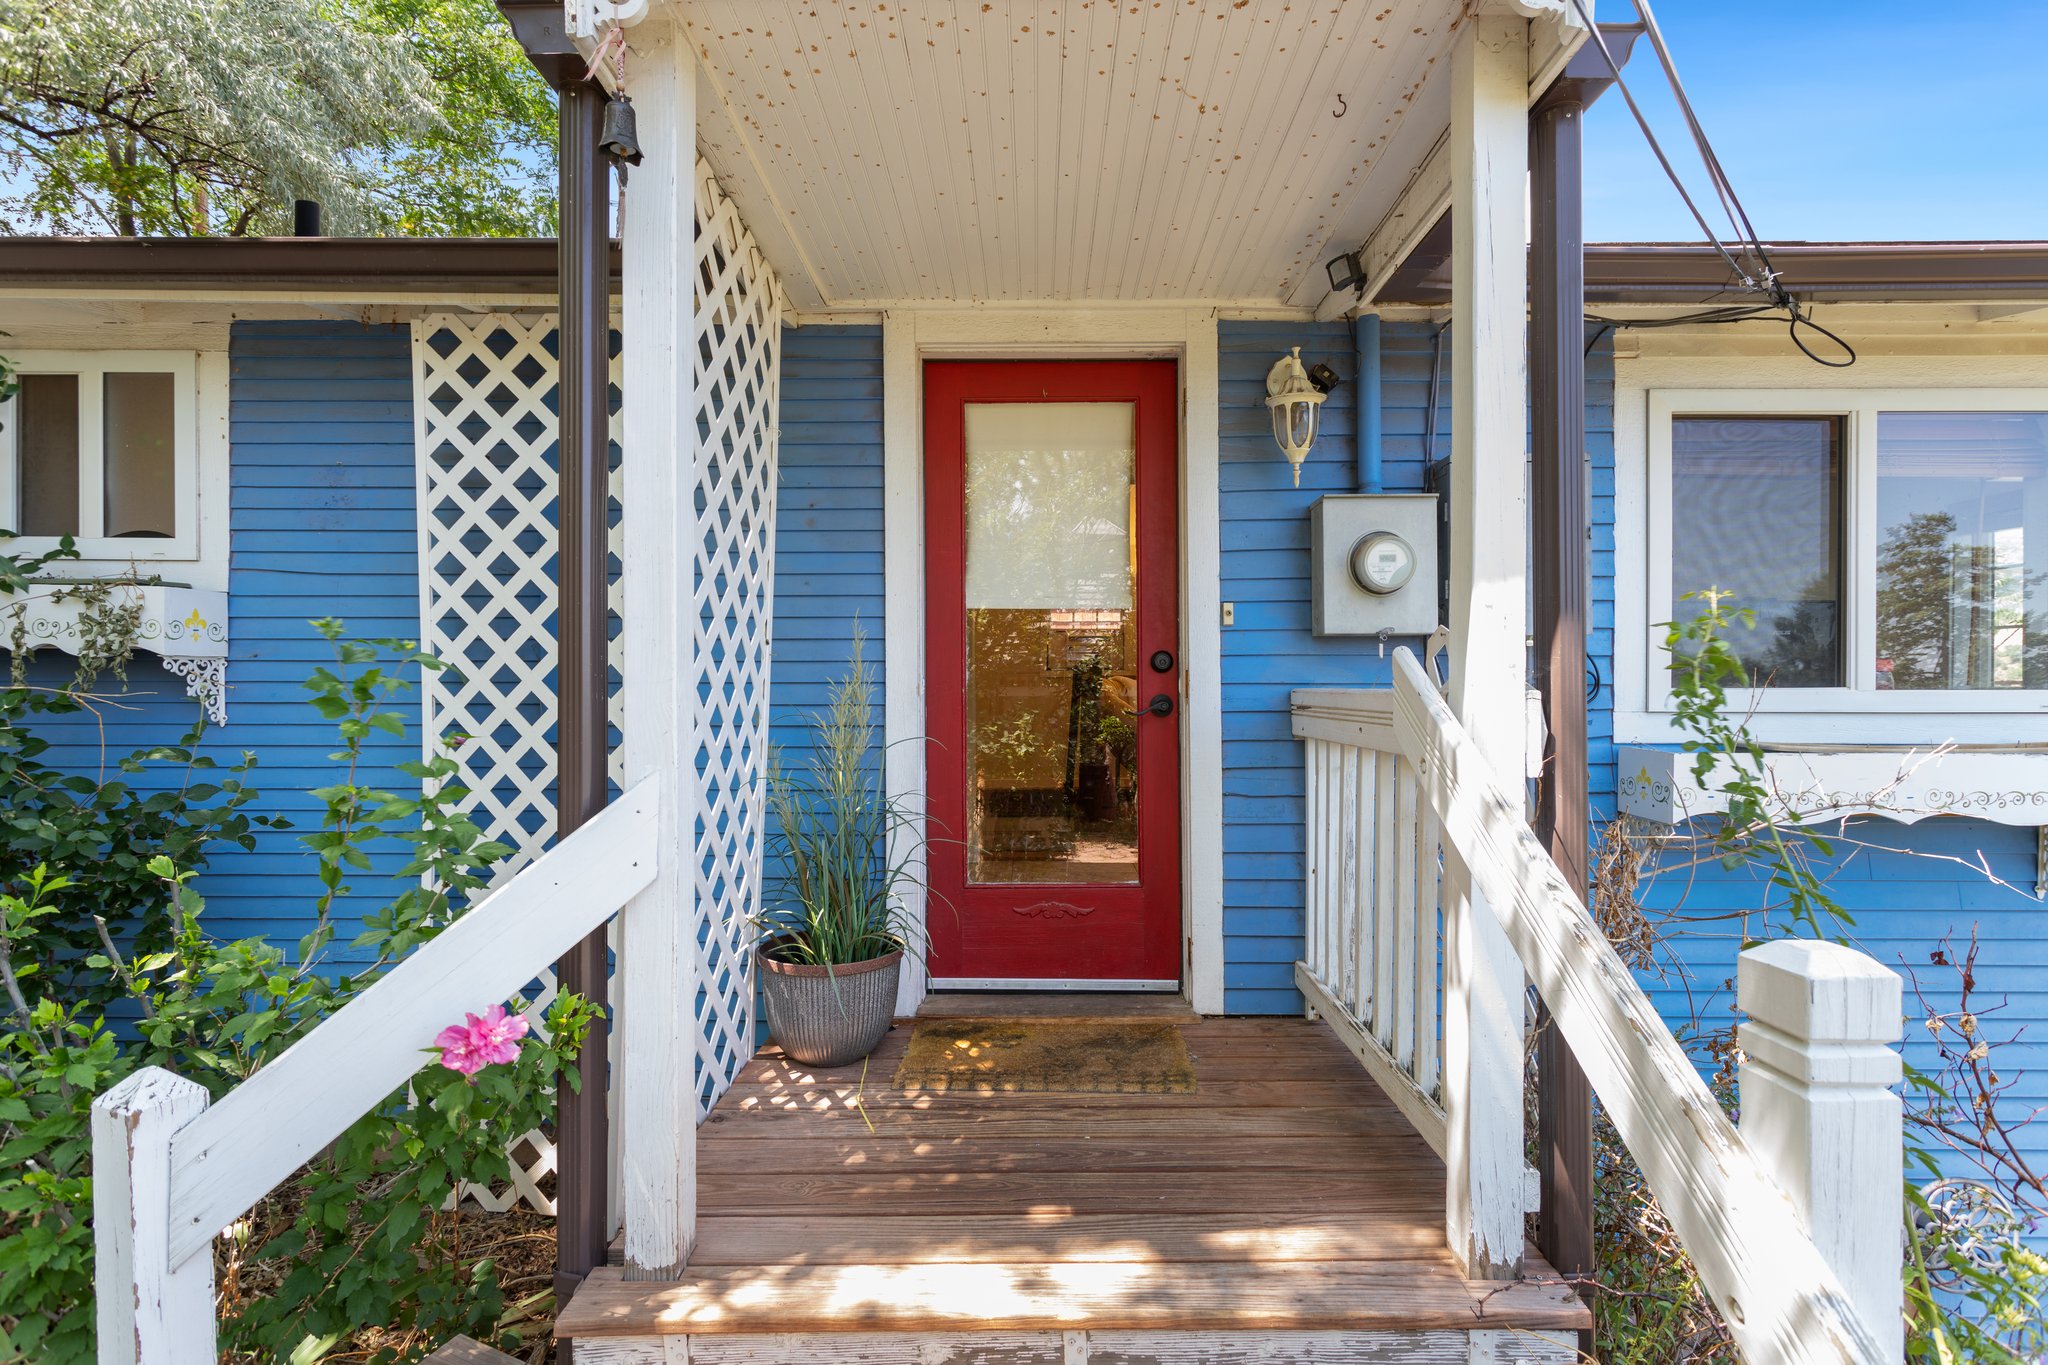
1187,335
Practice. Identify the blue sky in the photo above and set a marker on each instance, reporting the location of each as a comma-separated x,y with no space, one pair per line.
1838,120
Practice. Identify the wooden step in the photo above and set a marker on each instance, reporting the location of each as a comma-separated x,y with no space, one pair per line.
857,1150
1053,1295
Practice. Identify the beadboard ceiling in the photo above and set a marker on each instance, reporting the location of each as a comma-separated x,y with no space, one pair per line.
1093,150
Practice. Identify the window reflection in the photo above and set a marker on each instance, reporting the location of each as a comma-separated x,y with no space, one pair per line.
1962,550
1051,643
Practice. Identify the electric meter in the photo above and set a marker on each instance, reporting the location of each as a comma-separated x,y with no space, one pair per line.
1382,563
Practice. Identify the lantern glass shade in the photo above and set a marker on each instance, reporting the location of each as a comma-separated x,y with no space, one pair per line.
1294,425
1292,399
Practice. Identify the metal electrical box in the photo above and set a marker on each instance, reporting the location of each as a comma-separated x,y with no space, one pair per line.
1373,563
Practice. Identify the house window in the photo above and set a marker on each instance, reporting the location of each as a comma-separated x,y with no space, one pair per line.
1892,545
1962,550
1762,519
102,446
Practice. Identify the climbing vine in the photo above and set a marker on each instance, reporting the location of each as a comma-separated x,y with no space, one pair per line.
109,625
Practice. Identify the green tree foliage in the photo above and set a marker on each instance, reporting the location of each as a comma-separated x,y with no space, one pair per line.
209,117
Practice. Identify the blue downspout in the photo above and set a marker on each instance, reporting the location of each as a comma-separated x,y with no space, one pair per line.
1365,399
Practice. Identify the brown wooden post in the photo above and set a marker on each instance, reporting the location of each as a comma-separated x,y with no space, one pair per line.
583,454
1560,560
584,338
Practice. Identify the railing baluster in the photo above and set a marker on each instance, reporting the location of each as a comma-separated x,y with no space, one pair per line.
1407,903
1386,859
1344,970
1311,875
1362,826
1326,872
1332,872
1428,949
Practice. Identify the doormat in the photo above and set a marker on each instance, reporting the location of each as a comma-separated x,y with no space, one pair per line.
1050,1056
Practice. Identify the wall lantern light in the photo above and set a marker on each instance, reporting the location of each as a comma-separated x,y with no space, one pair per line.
1294,396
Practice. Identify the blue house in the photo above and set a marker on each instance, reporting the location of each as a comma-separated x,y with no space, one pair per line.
1158,548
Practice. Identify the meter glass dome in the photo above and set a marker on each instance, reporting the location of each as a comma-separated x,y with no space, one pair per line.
1382,562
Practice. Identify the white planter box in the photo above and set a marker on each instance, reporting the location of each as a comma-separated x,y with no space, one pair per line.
186,628
2010,788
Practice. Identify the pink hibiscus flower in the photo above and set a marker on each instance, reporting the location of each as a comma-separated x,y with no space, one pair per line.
490,1037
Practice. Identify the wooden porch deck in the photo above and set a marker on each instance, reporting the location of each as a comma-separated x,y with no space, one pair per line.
1286,1195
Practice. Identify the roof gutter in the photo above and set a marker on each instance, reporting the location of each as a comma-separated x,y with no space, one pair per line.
1688,273
428,268
1668,274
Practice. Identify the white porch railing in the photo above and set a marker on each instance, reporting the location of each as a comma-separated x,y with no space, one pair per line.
1372,966
170,1172
1792,1223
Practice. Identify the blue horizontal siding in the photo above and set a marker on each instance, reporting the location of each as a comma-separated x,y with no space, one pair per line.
1270,650
324,523
828,530
321,523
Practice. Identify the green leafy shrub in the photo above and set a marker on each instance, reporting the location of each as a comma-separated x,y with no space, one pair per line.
166,800
365,1237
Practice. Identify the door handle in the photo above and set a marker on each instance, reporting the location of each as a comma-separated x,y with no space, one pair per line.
1161,705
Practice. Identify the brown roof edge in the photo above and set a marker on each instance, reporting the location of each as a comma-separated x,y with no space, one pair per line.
1668,273
1681,273
395,266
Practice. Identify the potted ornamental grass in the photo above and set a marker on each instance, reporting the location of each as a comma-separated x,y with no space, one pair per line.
833,934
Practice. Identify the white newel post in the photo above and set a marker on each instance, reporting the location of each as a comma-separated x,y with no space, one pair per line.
1482,1053
1819,1113
150,1312
656,1072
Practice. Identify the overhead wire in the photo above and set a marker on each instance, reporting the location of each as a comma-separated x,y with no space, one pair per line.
1763,279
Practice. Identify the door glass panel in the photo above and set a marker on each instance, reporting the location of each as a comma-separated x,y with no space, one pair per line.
141,479
1756,512
47,457
1962,550
1052,676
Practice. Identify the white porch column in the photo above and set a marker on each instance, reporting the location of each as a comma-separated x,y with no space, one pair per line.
657,1030
1483,1008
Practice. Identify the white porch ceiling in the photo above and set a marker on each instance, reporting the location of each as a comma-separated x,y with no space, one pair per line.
896,151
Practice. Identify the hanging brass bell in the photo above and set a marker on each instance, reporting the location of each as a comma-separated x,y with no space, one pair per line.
619,137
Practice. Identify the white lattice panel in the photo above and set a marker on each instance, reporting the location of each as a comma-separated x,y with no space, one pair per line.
738,373
484,389
487,548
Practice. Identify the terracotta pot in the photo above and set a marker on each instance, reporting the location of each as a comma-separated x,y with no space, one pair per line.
829,1016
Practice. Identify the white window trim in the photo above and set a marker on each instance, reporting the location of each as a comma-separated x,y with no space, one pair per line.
1649,391
198,553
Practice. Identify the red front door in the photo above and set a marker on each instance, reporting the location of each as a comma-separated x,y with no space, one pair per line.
1053,671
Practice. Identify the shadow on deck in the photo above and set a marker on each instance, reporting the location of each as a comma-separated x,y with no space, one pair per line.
1285,1196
